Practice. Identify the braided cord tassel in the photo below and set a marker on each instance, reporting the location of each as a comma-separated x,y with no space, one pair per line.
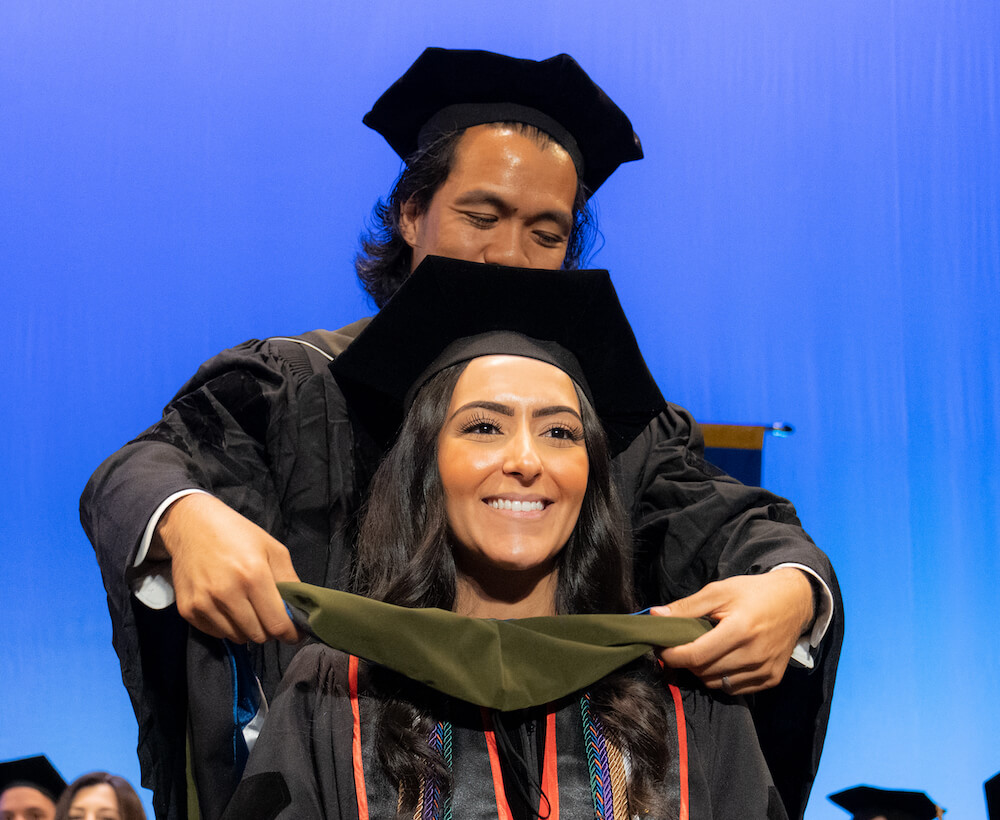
597,762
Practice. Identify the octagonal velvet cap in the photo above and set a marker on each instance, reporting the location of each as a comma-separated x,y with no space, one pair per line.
450,311
866,802
36,772
451,89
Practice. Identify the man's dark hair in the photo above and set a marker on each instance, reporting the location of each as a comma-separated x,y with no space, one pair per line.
384,260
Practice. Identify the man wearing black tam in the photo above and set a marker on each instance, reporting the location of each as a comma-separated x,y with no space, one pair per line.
29,788
255,473
871,803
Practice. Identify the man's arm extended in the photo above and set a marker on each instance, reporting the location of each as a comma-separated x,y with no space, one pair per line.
707,545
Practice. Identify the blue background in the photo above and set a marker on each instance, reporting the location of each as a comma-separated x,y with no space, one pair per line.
813,238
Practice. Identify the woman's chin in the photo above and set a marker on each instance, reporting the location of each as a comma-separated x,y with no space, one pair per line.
513,568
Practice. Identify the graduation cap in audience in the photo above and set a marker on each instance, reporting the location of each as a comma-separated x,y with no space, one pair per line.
449,311
992,789
447,90
35,772
869,803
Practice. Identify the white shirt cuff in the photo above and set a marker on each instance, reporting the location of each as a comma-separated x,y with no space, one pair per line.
804,652
151,581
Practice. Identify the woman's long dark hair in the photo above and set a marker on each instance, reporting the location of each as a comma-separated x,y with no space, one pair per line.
129,804
405,558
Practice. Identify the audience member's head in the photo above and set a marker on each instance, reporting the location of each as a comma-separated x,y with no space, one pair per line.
99,796
992,789
871,803
29,789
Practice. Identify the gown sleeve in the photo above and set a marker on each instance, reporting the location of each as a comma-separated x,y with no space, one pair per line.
217,433
301,767
233,431
693,524
728,777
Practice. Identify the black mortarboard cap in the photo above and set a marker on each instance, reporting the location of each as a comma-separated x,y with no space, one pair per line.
450,89
449,311
36,772
865,802
992,789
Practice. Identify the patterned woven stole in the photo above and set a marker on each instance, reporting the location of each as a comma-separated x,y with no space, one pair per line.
606,765
608,783
432,804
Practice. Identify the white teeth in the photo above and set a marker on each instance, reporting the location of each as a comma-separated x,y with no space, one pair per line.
517,506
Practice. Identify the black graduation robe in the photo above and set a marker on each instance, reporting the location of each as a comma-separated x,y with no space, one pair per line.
305,749
264,427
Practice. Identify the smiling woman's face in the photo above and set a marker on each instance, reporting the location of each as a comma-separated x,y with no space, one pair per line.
513,466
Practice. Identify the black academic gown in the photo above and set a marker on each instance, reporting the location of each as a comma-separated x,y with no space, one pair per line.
265,428
302,767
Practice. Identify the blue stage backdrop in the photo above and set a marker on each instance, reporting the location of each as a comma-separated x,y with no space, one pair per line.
813,238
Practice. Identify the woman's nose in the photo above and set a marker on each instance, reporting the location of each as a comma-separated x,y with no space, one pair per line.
521,458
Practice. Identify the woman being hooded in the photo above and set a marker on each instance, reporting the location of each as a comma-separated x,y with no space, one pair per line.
496,502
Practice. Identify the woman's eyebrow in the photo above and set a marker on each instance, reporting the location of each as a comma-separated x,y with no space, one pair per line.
507,410
555,410
494,406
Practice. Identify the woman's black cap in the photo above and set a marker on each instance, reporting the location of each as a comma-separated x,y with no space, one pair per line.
866,802
449,311
34,772
450,89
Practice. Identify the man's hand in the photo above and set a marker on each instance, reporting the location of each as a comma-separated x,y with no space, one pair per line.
761,618
225,569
